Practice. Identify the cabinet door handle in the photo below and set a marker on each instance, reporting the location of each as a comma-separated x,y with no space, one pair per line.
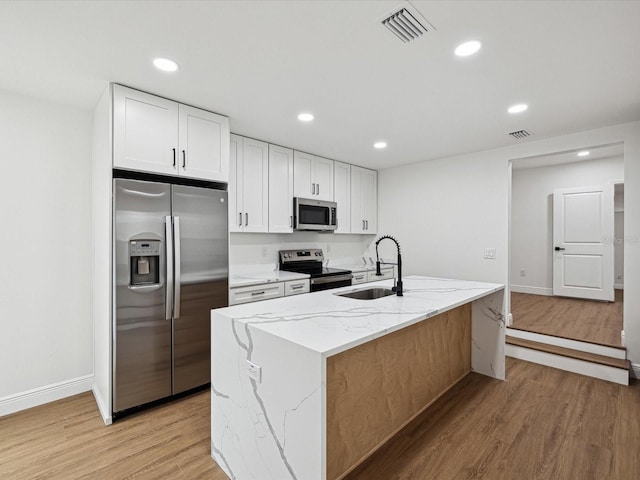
366,222
362,224
253,294
313,189
291,221
174,158
317,189
296,287
240,219
246,219
184,159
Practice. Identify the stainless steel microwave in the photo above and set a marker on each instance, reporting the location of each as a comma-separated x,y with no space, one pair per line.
312,214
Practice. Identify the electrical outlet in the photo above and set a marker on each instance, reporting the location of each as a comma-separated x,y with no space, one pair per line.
618,277
254,371
328,247
490,253
265,252
523,272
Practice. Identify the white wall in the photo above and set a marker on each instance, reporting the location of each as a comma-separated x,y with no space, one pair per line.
45,280
445,212
532,216
254,248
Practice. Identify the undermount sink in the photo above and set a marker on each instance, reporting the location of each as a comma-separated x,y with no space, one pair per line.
367,293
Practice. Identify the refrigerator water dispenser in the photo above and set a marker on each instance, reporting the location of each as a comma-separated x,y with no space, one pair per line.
144,262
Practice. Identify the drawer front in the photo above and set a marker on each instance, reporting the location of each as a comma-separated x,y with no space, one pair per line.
360,277
386,273
294,287
255,293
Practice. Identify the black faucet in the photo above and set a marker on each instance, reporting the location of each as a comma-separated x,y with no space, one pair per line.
398,287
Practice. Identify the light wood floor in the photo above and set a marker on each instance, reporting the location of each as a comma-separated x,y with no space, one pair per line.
541,423
587,320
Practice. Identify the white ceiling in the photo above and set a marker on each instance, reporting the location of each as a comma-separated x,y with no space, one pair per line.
261,62
613,151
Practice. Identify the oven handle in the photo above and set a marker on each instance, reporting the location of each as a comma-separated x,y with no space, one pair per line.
331,279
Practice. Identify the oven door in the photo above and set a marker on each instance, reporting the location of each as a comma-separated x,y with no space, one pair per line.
332,281
314,214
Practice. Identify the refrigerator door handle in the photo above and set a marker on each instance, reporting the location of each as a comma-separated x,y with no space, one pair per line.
168,309
176,256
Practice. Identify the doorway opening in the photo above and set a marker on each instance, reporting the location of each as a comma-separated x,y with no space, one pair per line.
567,248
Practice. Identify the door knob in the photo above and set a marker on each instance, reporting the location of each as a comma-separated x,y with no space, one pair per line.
559,248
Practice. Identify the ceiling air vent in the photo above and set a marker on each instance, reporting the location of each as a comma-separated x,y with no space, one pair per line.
406,23
520,134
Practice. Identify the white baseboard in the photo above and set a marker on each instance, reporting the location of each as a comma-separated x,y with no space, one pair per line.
532,290
636,369
105,411
618,286
49,393
582,367
568,343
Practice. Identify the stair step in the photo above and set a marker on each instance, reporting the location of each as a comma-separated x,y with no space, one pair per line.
569,352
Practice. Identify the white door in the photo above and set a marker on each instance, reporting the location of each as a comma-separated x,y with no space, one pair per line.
255,185
302,172
583,235
145,132
342,195
235,184
280,189
357,216
370,200
204,144
323,178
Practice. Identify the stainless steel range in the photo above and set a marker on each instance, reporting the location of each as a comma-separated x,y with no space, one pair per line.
310,262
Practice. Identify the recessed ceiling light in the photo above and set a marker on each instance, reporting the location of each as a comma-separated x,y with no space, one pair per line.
380,145
165,64
305,117
468,48
583,153
519,108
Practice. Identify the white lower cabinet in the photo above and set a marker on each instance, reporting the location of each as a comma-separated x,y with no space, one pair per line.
256,292
266,291
359,277
294,287
386,274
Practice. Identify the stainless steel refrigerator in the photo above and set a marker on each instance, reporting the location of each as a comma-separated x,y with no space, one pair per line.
171,269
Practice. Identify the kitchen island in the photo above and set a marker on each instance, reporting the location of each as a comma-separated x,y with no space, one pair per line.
307,387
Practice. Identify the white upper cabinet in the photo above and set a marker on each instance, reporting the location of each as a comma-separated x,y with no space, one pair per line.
156,135
203,144
342,195
145,132
249,185
280,189
364,200
313,176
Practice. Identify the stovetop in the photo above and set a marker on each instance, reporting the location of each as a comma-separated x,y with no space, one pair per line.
308,261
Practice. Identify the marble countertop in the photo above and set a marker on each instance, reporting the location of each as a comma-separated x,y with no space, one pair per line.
328,324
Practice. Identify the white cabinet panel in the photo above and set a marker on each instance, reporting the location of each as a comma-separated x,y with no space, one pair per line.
204,149
255,293
364,200
294,287
359,277
280,189
386,273
313,176
249,185
323,177
145,132
342,195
